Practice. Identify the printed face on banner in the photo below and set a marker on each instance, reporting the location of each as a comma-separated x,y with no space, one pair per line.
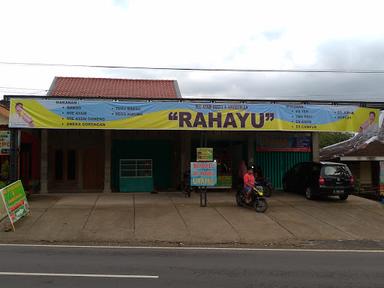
92,114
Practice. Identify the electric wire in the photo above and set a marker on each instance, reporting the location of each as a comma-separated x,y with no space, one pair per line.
339,71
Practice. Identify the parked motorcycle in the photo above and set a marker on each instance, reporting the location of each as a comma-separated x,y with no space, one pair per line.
258,202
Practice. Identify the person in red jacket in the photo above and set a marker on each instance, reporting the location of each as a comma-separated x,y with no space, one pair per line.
249,183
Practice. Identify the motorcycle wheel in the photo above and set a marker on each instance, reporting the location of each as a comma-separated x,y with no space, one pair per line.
260,205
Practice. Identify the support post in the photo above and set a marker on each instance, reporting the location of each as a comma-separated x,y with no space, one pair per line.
185,153
44,162
203,196
315,147
381,187
107,161
14,155
251,150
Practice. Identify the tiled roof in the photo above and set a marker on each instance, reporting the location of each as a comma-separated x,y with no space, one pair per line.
356,146
113,88
373,149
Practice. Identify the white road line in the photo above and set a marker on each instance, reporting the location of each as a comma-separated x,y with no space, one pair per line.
78,275
195,248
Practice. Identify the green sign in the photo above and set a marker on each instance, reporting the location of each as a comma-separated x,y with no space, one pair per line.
3,211
204,154
15,201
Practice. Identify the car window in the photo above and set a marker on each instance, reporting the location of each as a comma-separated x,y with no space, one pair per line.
336,170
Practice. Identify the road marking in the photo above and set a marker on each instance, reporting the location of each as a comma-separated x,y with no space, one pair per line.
194,248
78,275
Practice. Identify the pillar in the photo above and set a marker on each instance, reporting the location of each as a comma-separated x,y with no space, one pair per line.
14,155
251,150
381,189
185,152
315,147
80,153
107,161
44,162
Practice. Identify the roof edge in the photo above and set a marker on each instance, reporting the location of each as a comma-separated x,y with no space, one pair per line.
53,84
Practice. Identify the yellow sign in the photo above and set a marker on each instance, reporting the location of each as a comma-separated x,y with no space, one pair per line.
178,115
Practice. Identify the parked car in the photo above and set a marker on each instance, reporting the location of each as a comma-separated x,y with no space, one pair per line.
319,179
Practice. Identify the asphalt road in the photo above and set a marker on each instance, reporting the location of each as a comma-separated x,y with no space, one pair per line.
101,267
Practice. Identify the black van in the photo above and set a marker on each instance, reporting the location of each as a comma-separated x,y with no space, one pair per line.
319,179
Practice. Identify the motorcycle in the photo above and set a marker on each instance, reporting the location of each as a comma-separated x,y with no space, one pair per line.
267,186
258,202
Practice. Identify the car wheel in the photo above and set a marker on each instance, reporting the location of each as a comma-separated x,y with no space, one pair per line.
343,197
309,193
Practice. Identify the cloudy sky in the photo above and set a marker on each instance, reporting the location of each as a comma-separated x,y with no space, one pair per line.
234,34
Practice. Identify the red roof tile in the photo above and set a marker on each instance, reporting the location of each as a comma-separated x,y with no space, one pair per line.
113,88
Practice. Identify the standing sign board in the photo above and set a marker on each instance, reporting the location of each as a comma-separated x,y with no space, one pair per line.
204,154
3,211
203,174
14,201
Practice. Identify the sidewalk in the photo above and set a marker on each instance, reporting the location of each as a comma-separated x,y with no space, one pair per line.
169,218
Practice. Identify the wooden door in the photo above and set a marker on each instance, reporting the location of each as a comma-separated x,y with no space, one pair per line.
93,168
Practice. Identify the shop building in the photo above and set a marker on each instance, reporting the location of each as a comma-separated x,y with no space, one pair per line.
122,135
364,155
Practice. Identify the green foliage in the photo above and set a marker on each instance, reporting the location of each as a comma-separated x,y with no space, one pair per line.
329,138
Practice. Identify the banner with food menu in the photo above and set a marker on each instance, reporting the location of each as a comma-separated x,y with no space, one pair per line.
187,115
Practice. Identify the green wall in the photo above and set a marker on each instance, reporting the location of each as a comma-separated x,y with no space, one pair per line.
275,164
160,151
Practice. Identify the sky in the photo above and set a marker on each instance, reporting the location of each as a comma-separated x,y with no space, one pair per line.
233,34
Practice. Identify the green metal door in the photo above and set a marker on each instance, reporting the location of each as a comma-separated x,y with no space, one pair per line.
275,164
159,151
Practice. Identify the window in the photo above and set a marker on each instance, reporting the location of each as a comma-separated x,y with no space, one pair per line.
336,170
130,168
65,165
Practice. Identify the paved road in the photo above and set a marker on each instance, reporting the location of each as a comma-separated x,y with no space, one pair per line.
92,267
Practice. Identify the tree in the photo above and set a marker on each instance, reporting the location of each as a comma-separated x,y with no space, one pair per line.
329,138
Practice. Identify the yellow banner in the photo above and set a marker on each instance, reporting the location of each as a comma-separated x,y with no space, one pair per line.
94,114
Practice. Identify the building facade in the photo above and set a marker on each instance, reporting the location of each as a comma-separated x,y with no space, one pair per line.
123,135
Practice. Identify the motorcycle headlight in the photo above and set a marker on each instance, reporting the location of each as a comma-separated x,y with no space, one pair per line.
261,193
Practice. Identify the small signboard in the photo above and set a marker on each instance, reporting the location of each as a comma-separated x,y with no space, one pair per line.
204,155
203,174
4,142
14,201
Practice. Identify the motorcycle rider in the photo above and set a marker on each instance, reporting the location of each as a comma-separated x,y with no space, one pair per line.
249,183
